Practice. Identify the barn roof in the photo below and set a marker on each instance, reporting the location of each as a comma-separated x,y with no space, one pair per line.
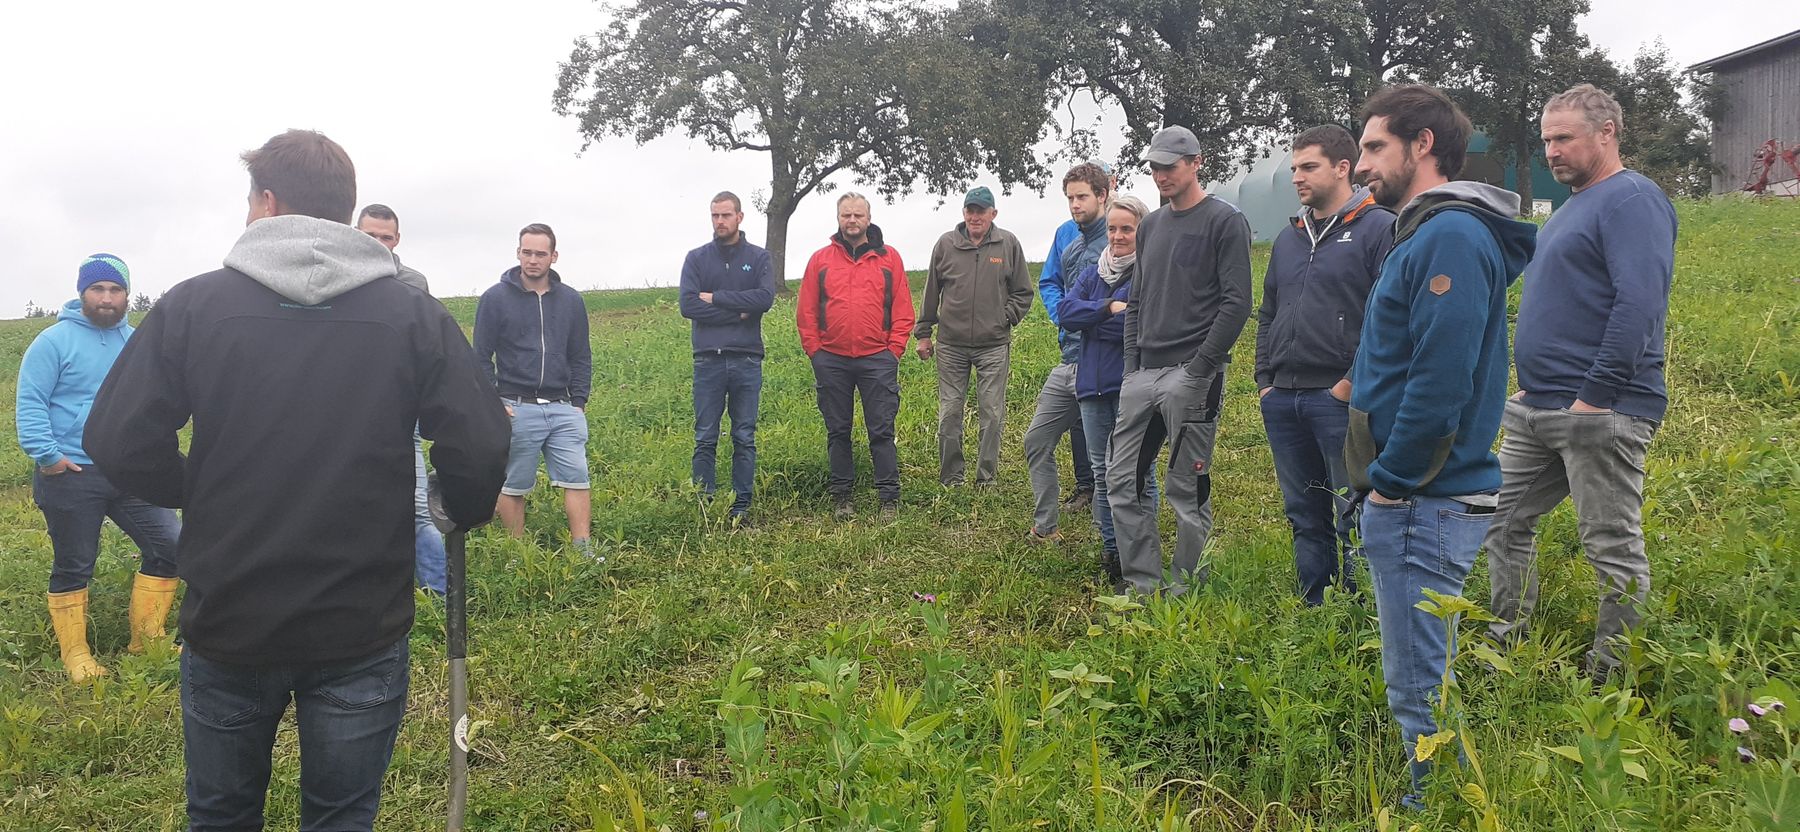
1733,57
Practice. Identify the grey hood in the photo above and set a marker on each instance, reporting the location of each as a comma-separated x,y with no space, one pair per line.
1481,195
309,260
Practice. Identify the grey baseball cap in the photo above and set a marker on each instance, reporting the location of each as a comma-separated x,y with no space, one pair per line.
1170,144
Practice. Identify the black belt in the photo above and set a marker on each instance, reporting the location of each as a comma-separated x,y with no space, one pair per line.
535,400
1475,509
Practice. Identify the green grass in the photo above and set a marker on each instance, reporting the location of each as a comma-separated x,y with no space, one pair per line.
786,678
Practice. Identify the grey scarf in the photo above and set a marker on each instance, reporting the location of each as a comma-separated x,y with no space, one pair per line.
1113,268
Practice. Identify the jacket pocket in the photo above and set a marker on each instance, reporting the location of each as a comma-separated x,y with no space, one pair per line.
1359,448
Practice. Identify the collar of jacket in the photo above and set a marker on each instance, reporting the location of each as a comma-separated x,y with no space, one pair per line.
1359,203
516,277
871,244
1097,227
726,249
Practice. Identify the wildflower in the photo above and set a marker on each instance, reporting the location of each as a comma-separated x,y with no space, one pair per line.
1738,725
700,815
925,597
1745,755
1758,710
1776,706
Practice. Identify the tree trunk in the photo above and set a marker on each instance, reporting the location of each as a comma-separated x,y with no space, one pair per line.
782,204
1522,178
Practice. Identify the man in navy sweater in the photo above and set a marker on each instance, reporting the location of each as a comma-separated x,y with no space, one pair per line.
1590,361
1320,271
726,286
1428,384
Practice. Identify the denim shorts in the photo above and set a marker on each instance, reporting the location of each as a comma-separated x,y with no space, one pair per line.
558,432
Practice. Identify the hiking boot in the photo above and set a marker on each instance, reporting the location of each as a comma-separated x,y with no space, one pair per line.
845,511
1109,563
1079,500
740,521
1036,538
890,509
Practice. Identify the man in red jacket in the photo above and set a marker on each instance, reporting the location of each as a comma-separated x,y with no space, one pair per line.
855,313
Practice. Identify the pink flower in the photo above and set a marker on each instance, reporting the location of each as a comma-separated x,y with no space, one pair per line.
925,597
1738,725
1776,706
1745,755
1758,710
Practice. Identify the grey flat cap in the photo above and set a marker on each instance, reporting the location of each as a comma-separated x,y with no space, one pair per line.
1170,144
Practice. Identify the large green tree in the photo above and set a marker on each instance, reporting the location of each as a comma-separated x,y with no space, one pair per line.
1330,55
892,94
1665,135
1514,55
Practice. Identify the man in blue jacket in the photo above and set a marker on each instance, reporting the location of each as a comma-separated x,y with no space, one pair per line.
726,286
1318,280
58,379
1428,384
531,339
1590,360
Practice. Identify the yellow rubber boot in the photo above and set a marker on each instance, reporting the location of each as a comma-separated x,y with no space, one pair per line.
151,598
68,615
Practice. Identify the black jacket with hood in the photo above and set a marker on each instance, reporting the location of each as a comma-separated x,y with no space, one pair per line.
1318,281
303,366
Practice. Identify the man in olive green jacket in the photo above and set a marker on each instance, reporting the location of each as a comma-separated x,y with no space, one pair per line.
977,291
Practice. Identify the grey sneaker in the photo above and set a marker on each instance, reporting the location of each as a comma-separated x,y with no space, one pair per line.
845,511
585,548
889,508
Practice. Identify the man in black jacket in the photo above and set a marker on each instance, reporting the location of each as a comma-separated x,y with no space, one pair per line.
304,367
726,286
1320,272
531,339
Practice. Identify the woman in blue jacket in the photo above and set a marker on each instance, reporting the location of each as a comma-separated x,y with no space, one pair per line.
1095,306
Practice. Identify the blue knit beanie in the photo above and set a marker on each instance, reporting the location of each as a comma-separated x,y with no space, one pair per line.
102,267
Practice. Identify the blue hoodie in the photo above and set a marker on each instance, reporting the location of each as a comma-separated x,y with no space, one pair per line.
58,379
1429,382
1072,251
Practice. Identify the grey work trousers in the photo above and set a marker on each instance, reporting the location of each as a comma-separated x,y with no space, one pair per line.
1154,405
1598,459
1057,412
991,366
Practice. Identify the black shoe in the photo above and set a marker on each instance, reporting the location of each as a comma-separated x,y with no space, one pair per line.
889,508
845,511
1081,499
740,521
1109,562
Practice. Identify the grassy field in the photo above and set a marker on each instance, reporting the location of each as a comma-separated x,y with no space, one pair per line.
790,678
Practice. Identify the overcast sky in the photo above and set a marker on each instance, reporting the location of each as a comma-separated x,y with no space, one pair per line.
121,122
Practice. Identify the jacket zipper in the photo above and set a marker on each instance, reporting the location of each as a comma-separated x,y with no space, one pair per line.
543,349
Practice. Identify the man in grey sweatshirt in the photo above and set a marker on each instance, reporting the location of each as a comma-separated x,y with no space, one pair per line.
1189,303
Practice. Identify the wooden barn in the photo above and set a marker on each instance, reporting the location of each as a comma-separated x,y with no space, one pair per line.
1760,86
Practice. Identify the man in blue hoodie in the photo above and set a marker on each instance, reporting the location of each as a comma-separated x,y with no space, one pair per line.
58,380
1320,271
1590,360
1428,384
531,340
726,286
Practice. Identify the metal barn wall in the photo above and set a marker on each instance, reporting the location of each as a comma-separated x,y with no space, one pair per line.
1762,100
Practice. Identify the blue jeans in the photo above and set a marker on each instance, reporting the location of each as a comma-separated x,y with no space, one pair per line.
1306,435
428,543
727,382
75,502
348,715
1423,543
1097,416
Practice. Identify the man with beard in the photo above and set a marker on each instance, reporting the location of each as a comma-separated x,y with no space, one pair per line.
726,286
1590,360
1320,270
1428,384
58,380
855,315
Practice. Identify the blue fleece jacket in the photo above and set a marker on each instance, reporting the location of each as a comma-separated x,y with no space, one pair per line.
1596,300
531,345
1087,309
743,287
1429,381
1060,271
58,379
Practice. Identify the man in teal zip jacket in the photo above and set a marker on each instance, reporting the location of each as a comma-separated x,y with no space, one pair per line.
58,380
1429,384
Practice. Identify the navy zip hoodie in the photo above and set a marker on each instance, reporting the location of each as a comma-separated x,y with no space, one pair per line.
1087,309
742,284
1429,382
534,346
1318,281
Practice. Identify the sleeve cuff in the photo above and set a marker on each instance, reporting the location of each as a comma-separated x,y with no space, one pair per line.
1598,394
46,460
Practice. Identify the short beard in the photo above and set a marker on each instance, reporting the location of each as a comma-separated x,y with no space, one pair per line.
1393,189
103,318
